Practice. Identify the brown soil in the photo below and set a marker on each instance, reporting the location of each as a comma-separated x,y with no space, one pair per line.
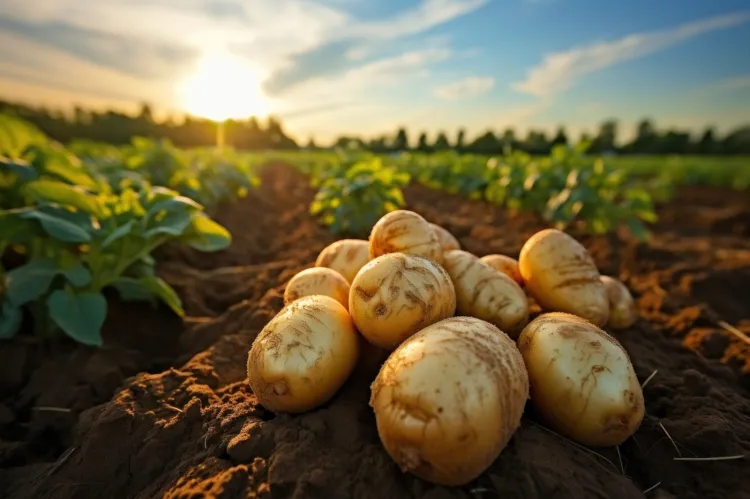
195,430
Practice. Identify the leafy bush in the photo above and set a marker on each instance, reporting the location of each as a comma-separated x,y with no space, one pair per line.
77,243
353,197
86,224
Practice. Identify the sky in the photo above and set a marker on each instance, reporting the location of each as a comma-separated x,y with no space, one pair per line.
355,67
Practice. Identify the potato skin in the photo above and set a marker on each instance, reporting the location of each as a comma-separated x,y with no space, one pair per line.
582,380
404,231
317,281
506,265
449,399
561,276
486,293
447,240
396,295
345,256
303,355
622,311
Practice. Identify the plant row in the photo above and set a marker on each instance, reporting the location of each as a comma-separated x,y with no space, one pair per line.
566,188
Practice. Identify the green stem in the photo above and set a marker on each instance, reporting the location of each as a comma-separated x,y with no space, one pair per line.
124,264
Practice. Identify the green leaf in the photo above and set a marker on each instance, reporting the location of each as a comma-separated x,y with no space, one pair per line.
10,320
22,169
58,227
60,165
78,275
131,289
147,288
80,316
16,229
28,282
53,191
206,235
118,233
638,229
173,223
164,291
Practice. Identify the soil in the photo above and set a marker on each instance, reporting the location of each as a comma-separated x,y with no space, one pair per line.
164,409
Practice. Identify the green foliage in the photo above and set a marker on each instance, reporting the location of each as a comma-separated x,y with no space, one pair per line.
567,188
353,196
91,223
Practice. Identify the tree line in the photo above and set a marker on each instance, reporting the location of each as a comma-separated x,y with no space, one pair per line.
253,134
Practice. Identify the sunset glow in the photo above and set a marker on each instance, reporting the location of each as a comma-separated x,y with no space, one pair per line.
223,88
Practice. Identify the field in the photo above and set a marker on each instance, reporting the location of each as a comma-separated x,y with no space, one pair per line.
163,407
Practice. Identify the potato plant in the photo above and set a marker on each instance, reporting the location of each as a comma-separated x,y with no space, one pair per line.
77,243
353,197
83,225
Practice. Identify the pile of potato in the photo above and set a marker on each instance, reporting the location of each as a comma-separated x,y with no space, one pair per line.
462,356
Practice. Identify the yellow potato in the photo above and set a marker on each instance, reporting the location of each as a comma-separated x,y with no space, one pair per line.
446,239
486,293
303,355
582,381
346,257
506,265
449,399
622,311
404,231
318,281
561,276
396,295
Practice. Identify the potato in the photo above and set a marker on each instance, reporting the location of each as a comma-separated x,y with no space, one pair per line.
346,257
582,381
404,231
561,276
486,293
446,239
506,265
448,400
303,355
396,295
318,281
622,311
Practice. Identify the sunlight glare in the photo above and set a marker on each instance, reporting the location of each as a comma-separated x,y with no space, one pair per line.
222,88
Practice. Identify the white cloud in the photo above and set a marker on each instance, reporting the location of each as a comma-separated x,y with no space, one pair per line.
466,88
559,70
427,15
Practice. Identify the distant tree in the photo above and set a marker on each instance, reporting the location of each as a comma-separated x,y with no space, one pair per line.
674,142
401,142
707,143
441,143
311,144
607,138
460,139
646,139
422,144
560,137
737,141
378,145
146,113
535,143
508,140
486,144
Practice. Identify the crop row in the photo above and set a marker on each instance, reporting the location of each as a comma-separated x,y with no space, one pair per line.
567,188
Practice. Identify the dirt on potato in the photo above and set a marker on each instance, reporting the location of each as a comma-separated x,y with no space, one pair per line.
165,409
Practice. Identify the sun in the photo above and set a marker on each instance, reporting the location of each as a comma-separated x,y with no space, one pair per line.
223,88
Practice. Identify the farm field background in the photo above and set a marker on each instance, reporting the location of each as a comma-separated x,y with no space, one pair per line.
135,277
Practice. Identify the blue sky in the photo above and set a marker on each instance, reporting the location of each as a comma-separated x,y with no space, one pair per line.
329,67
